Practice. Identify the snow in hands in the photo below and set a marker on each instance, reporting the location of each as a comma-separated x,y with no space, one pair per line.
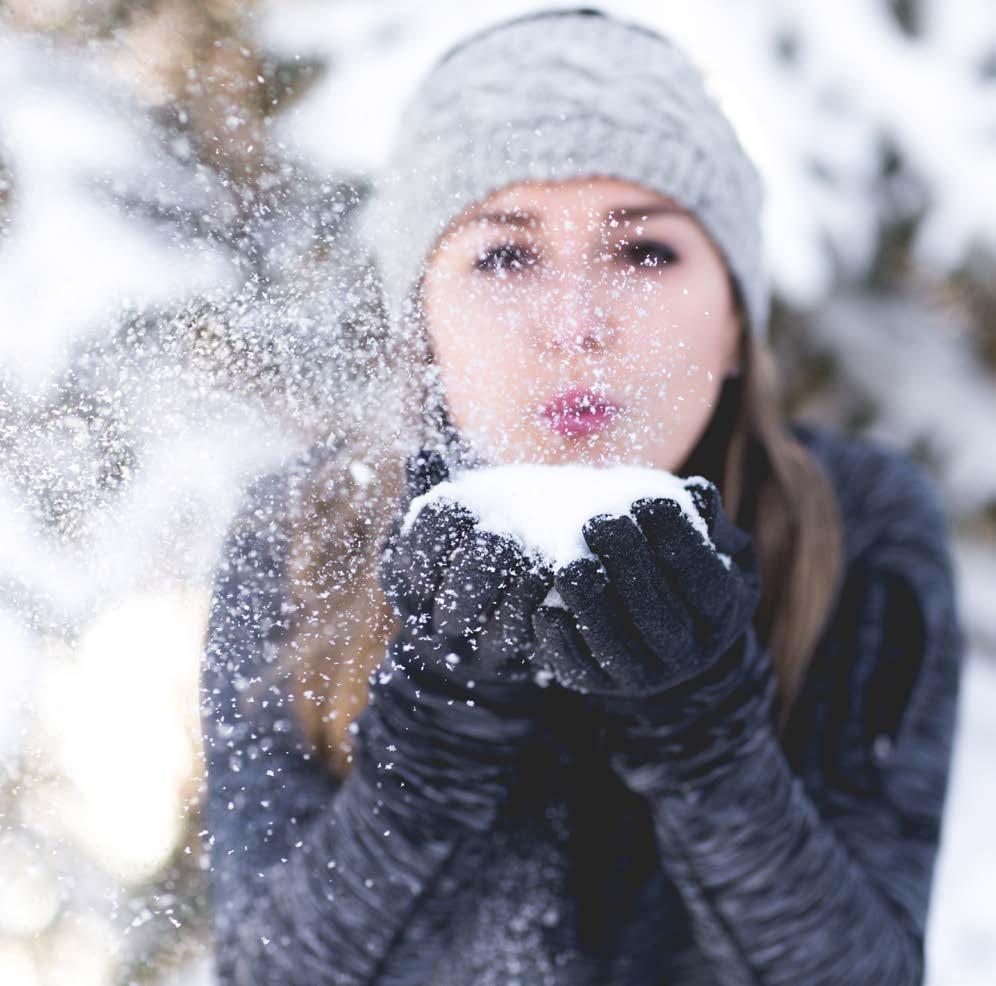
543,508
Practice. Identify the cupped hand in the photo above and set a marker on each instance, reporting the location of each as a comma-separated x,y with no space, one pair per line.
657,603
466,595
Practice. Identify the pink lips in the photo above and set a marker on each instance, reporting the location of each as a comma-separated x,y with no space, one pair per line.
579,411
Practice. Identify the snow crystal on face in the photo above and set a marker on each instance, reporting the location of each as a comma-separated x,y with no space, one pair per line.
544,507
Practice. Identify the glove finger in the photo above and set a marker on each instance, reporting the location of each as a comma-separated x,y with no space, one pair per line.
480,569
734,542
747,583
423,553
423,470
391,575
664,624
705,496
561,648
508,630
584,586
726,536
692,568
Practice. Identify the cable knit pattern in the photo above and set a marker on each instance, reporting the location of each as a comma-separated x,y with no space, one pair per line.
558,95
521,853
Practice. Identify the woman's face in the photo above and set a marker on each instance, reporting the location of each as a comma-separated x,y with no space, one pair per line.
589,320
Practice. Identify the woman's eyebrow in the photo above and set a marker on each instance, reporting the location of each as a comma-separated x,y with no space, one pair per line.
511,218
525,220
645,211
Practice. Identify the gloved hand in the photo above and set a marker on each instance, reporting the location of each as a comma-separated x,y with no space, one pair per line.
657,606
466,595
444,739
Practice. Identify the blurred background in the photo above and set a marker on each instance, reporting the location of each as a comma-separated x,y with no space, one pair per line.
179,283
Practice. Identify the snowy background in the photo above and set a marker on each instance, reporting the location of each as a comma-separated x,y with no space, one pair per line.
176,183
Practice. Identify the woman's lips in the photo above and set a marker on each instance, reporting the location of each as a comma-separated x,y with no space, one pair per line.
580,411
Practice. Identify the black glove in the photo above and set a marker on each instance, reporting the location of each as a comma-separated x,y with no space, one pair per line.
466,595
657,606
445,739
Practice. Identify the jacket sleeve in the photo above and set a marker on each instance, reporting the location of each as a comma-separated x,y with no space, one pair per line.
314,880
819,871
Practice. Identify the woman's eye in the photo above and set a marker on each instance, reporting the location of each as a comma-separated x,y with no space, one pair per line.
649,253
504,258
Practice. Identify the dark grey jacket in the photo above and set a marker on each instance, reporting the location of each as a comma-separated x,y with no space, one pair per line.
730,857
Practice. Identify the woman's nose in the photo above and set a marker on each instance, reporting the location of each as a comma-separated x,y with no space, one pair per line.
572,319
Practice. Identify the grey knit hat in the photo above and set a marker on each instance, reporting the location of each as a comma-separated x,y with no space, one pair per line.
555,95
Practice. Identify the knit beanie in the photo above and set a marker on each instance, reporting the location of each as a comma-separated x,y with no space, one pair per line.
554,95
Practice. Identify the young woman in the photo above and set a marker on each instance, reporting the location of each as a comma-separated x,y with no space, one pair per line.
678,771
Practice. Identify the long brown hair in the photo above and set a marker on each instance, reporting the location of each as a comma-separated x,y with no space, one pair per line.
340,514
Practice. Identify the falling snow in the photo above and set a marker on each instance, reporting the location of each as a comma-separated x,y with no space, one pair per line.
187,305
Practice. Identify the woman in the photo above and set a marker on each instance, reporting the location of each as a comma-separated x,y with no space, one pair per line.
678,771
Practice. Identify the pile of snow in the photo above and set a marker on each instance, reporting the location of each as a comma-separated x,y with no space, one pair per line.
544,507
